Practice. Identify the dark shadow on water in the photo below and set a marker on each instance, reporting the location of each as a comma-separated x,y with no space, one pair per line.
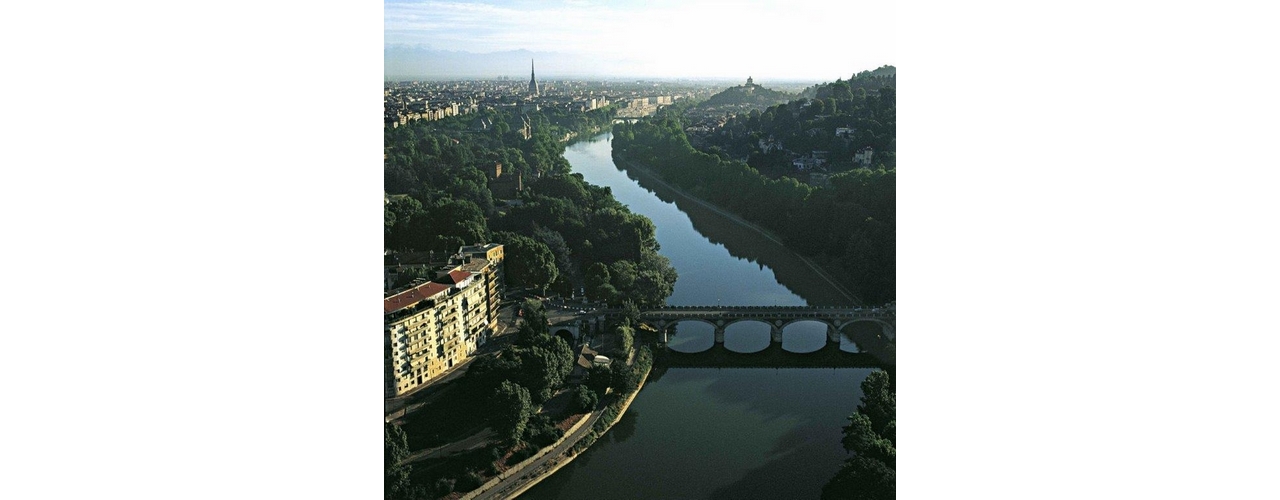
743,243
773,356
625,428
794,377
791,474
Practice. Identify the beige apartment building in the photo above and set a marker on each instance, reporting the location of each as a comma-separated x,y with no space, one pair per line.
432,326
493,255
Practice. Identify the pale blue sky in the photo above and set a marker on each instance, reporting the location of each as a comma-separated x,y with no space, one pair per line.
797,39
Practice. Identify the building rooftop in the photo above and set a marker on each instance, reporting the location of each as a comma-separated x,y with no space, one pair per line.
412,296
586,357
475,265
478,248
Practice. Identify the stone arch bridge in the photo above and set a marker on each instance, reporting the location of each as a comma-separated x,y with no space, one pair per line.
777,317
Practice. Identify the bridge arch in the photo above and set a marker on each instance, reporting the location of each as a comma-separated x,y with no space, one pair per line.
735,320
803,341
683,343
748,336
886,328
791,321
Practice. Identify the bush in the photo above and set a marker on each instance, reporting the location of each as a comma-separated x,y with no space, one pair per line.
444,486
469,481
541,431
521,454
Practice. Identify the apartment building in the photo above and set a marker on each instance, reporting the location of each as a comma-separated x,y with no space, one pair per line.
432,326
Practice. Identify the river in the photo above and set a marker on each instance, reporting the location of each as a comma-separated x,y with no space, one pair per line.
712,433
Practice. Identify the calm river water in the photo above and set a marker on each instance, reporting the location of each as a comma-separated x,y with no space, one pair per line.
696,433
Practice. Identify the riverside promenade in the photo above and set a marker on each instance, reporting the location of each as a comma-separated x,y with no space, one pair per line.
526,474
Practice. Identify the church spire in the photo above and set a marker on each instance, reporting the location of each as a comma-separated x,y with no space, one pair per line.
533,80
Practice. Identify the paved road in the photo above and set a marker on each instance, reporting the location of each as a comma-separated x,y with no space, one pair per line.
515,482
474,442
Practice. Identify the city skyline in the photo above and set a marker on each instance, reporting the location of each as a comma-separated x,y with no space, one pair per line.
582,39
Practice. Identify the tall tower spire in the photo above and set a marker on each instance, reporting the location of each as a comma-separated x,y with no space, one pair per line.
533,81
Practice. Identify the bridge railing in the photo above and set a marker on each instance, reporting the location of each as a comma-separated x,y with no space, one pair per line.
789,311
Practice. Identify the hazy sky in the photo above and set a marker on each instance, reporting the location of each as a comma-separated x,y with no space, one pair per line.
797,39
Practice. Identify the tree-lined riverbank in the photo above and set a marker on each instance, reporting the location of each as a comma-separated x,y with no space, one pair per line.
715,433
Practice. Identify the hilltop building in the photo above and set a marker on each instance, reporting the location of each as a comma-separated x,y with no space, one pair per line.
431,326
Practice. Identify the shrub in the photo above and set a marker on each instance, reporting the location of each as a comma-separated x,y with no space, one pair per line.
444,486
469,481
521,454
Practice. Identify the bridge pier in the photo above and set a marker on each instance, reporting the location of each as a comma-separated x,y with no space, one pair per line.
775,334
719,334
833,335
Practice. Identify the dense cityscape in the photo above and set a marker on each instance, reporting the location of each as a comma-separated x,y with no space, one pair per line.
428,100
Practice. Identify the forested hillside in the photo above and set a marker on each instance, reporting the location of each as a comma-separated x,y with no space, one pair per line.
558,227
840,119
847,224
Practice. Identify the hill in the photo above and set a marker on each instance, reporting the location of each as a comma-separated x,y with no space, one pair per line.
741,99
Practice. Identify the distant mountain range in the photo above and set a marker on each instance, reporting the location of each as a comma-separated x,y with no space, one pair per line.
417,62
406,62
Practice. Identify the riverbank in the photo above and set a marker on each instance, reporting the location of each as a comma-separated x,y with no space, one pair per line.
649,174
575,136
573,452
714,432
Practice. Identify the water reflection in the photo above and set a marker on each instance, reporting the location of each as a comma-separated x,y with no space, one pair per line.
739,433
804,336
747,336
691,336
721,433
862,336
719,261
625,428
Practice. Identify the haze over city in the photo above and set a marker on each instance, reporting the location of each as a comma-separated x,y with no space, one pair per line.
640,39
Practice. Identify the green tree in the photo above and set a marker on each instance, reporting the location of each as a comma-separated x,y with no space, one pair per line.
861,439
488,372
529,262
597,283
861,478
625,377
630,312
544,365
395,446
869,474
584,399
535,317
626,338
599,378
878,400
512,408
555,241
